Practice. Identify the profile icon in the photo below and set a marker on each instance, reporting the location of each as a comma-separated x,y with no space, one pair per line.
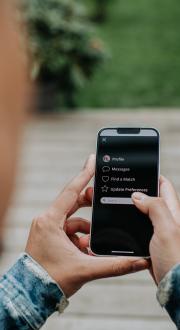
106,158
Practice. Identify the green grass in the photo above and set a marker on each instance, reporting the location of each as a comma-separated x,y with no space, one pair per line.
143,38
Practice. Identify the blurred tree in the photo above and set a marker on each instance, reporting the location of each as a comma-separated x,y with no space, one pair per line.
100,10
65,50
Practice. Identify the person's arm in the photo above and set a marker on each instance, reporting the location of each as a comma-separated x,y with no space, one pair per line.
28,296
164,213
55,261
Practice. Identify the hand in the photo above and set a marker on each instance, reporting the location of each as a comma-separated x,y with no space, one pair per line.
164,212
51,247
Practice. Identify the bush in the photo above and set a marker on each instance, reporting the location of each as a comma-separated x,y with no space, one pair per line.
65,50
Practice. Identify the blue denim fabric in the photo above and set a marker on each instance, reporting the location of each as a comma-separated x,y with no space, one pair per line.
168,294
28,296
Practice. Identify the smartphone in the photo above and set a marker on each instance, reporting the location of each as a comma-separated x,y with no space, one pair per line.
127,160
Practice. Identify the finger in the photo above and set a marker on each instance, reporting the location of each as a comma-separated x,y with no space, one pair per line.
89,194
115,266
81,243
81,180
74,226
84,200
90,251
168,193
75,240
67,199
77,225
84,241
155,208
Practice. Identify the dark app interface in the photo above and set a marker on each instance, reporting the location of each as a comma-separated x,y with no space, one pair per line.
125,164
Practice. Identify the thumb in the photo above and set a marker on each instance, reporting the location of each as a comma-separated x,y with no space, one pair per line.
89,194
115,266
84,241
155,207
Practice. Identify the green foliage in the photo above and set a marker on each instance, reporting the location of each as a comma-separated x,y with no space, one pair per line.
64,47
101,10
144,68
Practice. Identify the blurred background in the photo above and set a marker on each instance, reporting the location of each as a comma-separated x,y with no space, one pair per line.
100,53
96,63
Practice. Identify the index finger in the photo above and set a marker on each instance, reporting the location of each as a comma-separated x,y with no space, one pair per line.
66,200
84,200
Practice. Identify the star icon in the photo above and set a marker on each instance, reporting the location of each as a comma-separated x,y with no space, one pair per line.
104,189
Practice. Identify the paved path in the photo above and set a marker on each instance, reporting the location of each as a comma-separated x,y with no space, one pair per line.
54,150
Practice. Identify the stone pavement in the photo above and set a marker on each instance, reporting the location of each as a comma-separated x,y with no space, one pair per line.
53,151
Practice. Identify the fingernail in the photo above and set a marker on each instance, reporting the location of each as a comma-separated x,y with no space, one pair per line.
138,196
92,156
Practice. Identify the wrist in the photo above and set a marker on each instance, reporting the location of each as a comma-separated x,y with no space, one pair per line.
70,276
162,266
72,279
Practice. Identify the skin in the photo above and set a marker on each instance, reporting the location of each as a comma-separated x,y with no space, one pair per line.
13,98
164,213
56,229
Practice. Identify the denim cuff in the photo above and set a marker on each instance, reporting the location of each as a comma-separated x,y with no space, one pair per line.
168,294
31,293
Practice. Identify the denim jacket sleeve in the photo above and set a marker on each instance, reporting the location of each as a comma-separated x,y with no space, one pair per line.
168,294
28,296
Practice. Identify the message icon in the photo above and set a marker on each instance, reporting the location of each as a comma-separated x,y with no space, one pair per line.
105,178
106,169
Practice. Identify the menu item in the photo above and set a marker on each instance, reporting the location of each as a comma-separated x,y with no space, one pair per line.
127,161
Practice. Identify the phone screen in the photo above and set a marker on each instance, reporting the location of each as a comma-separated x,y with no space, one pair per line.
125,163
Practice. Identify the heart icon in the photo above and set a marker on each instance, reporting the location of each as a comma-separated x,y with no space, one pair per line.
105,178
